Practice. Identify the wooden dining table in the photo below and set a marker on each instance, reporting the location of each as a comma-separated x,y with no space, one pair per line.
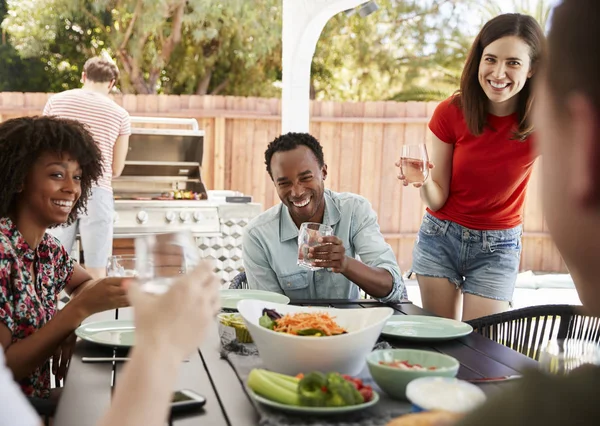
88,388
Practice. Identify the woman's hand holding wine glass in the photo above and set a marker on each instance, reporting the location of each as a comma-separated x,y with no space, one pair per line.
414,165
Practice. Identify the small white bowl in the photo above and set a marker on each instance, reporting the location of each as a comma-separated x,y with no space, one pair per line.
444,393
288,354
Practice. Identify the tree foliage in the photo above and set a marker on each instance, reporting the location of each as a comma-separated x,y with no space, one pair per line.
154,41
235,51
407,50
406,47
539,9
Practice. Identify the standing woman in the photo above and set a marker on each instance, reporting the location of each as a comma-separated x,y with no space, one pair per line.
470,238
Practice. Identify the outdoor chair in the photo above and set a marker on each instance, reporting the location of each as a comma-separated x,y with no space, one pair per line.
44,407
528,330
239,281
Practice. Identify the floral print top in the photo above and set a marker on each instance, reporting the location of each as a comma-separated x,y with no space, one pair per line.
28,302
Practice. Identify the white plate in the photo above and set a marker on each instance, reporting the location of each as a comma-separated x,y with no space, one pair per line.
423,327
321,411
117,334
231,297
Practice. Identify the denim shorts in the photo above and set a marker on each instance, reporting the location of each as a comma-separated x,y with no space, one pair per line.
95,229
483,263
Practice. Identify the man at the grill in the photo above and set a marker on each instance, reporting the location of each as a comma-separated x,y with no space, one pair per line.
110,126
296,165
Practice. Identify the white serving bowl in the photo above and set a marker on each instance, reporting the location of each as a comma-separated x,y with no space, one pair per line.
289,354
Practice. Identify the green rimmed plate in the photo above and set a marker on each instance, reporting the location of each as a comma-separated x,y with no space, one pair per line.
422,327
316,411
230,297
116,334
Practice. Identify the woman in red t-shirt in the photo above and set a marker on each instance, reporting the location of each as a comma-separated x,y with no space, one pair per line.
470,238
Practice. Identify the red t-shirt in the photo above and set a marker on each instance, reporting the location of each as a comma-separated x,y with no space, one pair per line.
490,172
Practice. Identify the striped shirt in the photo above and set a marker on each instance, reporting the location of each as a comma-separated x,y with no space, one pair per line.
105,120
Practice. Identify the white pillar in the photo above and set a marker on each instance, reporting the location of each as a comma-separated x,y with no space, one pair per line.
303,21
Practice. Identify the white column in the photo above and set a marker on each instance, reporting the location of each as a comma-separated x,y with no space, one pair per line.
303,21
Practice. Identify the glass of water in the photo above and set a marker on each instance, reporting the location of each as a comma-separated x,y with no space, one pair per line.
121,266
414,163
161,258
308,237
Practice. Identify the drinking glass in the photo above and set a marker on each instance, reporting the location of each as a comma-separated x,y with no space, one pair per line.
414,163
121,266
160,259
561,356
308,237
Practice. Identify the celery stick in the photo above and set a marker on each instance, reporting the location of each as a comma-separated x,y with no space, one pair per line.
285,377
263,385
281,381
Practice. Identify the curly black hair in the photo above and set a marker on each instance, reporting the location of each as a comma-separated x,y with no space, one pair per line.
291,141
23,140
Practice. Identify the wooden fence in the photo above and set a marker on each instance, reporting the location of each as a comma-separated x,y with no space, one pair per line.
361,142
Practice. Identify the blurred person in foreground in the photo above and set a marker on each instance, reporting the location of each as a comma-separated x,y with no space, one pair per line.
164,340
567,118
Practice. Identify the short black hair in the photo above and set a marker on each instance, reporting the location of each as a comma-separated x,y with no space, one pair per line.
24,140
291,141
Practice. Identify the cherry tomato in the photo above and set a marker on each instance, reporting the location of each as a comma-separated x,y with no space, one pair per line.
367,393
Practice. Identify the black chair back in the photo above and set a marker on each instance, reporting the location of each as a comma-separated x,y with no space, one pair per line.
528,330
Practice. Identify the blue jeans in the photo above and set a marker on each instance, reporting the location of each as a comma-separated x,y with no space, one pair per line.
483,263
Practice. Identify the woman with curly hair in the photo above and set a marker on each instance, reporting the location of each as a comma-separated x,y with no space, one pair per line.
47,167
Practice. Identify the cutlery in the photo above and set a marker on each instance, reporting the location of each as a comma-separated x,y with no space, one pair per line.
495,379
110,359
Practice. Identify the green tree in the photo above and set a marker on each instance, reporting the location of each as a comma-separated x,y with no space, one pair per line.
151,39
539,9
405,50
408,50
234,51
19,74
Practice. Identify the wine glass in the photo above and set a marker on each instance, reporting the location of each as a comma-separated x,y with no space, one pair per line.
308,237
561,356
160,259
414,163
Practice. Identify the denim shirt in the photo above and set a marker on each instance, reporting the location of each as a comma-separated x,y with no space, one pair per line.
270,251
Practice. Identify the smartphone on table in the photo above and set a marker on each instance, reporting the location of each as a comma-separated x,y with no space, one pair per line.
186,400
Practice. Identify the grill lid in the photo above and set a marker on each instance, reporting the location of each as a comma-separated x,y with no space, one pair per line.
173,152
185,170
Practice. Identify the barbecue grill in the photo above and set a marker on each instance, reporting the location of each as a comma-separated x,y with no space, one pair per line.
161,190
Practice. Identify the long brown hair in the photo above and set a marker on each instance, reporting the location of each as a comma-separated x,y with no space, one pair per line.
471,97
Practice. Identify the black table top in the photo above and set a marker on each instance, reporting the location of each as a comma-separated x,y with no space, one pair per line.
87,391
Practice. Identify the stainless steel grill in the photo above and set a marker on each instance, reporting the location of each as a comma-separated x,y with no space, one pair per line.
161,188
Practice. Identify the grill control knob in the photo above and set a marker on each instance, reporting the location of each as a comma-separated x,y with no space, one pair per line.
142,217
170,216
184,216
198,216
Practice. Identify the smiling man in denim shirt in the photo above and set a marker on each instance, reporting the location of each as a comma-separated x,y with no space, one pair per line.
270,245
